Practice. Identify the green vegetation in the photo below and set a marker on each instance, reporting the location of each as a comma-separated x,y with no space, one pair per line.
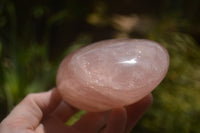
75,118
36,35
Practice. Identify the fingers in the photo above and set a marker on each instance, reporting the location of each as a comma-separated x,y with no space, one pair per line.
29,112
117,121
64,111
91,122
55,125
136,111
120,120
40,129
55,122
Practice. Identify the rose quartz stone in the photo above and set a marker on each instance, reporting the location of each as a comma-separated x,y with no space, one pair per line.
111,73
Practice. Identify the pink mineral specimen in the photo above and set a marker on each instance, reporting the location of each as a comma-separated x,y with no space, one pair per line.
111,73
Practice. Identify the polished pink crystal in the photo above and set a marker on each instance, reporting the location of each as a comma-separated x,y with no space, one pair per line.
111,73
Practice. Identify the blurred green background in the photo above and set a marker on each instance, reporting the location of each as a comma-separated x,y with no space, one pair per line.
35,35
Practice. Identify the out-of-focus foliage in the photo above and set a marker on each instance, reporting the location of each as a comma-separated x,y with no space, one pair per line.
36,35
176,106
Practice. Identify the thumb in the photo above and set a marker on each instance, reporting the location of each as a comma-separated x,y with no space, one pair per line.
30,111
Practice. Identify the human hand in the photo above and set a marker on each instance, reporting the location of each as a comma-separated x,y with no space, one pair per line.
47,113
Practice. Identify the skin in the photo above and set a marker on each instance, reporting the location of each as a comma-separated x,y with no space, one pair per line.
47,113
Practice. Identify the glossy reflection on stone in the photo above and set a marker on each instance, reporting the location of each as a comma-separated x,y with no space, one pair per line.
111,73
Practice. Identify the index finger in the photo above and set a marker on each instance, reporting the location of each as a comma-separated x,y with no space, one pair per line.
137,110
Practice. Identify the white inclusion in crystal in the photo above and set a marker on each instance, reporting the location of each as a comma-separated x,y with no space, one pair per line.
132,61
